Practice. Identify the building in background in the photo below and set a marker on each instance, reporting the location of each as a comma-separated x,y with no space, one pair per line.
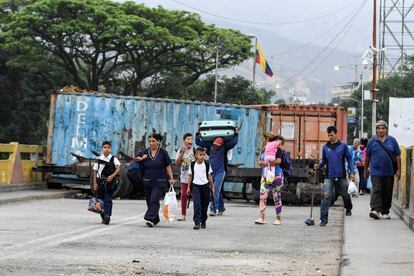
343,92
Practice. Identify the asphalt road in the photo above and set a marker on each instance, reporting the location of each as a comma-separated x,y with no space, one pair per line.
60,237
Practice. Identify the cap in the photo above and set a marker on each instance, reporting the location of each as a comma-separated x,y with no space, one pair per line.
219,141
381,123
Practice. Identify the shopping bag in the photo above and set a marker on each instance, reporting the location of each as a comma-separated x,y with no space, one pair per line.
95,205
352,188
369,183
169,206
270,176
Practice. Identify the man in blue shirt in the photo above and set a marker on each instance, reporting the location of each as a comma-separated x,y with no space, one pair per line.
335,155
383,162
217,153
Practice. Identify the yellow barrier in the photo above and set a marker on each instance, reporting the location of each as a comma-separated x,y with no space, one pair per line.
402,185
17,162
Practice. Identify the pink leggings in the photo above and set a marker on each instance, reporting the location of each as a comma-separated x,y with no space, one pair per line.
184,188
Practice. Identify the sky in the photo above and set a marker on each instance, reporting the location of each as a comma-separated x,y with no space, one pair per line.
341,29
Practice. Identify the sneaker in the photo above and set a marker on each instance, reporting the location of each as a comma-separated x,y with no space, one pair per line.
259,221
361,193
277,221
385,216
106,220
149,224
181,218
203,226
197,227
374,215
323,223
212,214
348,213
219,213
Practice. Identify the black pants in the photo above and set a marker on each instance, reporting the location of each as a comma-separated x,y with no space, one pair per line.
153,194
381,193
201,198
107,199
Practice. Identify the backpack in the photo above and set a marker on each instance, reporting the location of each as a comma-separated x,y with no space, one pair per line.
205,163
108,170
286,164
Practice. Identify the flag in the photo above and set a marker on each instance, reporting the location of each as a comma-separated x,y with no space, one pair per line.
260,59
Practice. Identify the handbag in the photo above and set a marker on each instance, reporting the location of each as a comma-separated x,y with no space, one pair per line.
390,156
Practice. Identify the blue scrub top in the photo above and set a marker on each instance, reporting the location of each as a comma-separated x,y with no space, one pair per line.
155,166
381,164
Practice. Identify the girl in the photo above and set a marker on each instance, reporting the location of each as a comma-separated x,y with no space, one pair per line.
276,185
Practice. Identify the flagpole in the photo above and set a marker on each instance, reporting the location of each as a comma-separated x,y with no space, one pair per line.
216,77
254,62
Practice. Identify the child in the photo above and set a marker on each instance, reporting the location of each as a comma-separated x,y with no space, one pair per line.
276,184
270,151
183,158
199,176
105,170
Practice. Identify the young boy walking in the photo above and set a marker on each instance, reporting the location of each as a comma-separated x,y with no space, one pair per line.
199,178
183,158
105,169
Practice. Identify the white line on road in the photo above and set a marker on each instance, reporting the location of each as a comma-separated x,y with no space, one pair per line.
57,239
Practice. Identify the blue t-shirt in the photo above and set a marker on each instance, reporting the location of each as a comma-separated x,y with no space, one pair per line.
155,166
381,164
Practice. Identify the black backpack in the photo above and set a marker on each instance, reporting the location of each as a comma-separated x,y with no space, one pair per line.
108,170
207,168
286,164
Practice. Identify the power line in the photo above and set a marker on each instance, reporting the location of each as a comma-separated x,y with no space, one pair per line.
316,38
351,21
267,23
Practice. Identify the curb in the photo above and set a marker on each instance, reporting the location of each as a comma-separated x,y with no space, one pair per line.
6,188
403,214
56,195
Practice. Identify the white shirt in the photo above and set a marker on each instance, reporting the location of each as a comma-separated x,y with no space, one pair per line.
200,177
99,167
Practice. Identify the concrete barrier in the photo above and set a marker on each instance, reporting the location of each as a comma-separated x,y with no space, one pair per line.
17,162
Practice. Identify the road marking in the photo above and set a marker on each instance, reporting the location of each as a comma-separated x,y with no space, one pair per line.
51,241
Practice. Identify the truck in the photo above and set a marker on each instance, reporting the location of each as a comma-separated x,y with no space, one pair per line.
80,121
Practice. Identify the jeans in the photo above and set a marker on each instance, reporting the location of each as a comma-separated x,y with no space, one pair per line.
381,193
341,185
107,199
201,198
218,203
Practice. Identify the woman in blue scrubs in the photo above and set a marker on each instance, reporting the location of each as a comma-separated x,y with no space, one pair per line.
157,173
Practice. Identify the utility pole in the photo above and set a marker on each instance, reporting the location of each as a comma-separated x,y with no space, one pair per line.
254,63
374,69
216,75
362,104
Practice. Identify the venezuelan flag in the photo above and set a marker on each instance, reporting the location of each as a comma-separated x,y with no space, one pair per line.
260,59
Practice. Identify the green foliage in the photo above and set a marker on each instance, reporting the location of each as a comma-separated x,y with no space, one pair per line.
120,48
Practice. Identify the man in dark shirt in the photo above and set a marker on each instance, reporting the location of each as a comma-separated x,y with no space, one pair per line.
383,162
335,154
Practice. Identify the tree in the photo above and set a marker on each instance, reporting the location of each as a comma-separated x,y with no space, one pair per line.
101,43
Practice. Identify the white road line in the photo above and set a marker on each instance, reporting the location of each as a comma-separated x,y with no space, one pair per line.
70,236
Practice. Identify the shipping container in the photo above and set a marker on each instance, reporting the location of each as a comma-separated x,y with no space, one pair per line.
79,122
304,126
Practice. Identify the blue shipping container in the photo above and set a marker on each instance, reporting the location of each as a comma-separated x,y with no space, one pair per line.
84,120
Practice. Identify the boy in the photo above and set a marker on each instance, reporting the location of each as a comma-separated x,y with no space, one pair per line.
183,158
199,176
105,169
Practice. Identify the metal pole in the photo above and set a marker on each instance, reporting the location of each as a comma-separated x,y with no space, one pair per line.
217,62
362,105
254,62
374,69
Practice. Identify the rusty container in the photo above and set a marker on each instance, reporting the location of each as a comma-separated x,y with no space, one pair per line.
304,126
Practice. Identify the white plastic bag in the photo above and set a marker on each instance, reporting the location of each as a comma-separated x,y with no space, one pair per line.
169,206
270,176
352,188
